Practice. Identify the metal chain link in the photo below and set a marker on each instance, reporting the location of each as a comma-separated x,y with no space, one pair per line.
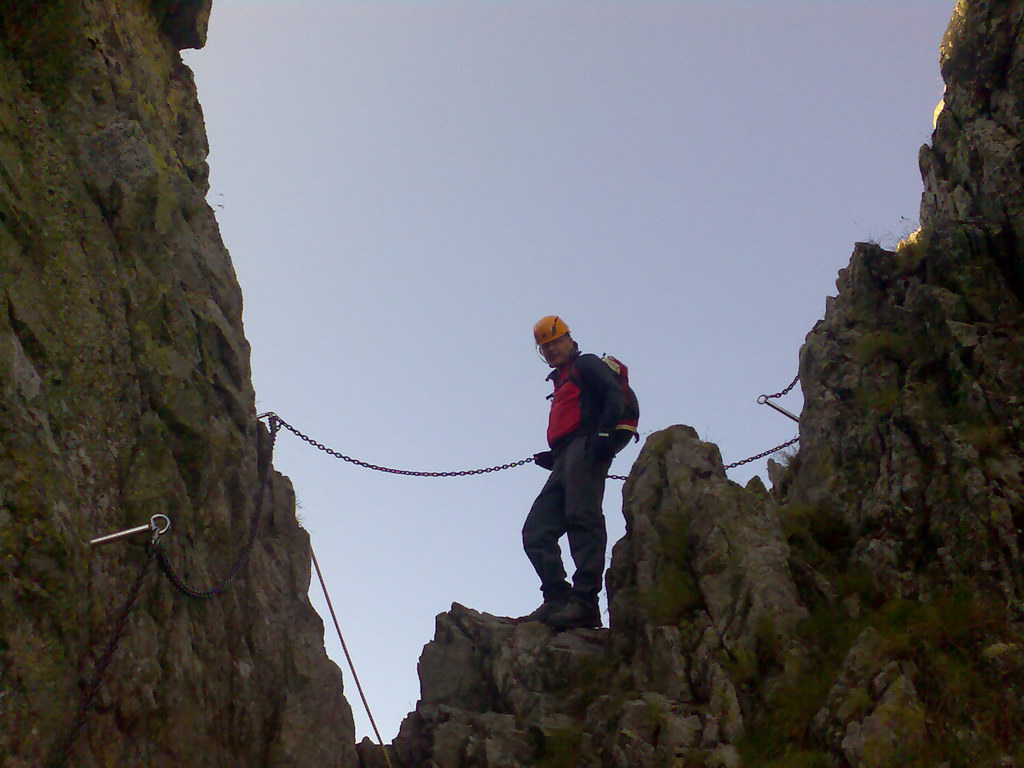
784,392
155,550
243,557
786,444
497,468
89,694
761,455
378,468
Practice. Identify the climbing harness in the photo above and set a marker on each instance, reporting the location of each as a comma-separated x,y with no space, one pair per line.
158,524
348,656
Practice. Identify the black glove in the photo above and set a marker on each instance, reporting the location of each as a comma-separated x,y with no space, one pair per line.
601,446
544,460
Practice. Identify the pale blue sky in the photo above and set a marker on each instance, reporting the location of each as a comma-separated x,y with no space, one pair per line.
405,187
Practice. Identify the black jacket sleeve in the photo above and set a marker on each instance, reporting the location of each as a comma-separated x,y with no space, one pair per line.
599,383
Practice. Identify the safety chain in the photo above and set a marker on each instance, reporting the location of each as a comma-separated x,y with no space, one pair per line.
761,455
378,468
466,472
243,557
770,451
784,392
155,551
89,694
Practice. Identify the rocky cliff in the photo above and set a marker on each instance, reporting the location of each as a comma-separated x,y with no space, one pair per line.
125,392
867,611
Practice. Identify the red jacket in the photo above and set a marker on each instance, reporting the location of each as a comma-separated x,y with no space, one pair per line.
587,399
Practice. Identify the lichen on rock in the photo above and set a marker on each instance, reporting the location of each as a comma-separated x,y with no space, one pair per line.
125,390
668,681
867,611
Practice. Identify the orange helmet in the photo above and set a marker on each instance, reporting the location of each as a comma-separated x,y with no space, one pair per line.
549,328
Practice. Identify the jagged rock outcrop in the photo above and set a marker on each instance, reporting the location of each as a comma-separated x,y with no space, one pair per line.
695,538
913,426
124,392
703,611
868,612
873,714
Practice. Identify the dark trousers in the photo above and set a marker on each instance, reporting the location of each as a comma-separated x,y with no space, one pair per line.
569,503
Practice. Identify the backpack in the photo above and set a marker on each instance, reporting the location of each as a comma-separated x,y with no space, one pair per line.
630,417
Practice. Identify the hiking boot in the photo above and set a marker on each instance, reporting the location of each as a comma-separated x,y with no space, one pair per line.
543,613
576,615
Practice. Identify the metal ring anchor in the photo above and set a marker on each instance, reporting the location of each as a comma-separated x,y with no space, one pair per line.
765,400
159,524
157,529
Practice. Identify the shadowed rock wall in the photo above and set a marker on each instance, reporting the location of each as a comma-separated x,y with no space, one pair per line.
913,428
124,392
867,612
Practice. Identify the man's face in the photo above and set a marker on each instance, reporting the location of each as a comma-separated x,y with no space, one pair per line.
557,351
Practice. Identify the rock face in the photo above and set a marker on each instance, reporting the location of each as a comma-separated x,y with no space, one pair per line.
913,420
868,611
916,368
125,392
703,612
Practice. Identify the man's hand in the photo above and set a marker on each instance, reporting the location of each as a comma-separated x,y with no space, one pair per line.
601,446
544,460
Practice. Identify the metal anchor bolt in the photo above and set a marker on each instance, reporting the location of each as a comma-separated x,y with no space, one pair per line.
158,524
765,400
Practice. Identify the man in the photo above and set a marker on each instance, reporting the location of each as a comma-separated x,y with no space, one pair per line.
586,406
